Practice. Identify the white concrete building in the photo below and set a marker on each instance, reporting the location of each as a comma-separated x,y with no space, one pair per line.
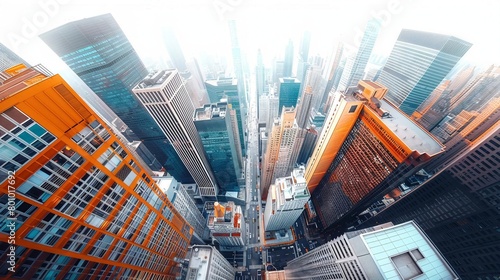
286,200
184,204
227,225
164,95
206,263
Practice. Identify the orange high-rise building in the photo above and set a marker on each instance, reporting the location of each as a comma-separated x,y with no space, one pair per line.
366,149
83,206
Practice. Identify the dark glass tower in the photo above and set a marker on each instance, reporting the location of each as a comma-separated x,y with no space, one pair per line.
417,64
215,126
458,209
288,93
98,51
227,88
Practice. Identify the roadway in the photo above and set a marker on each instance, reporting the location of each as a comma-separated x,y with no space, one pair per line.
253,207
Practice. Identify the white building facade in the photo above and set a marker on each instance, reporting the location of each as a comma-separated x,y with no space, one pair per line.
285,201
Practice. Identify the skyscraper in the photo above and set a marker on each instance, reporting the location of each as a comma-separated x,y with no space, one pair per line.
166,99
286,200
303,59
84,206
356,63
185,205
417,64
98,51
239,73
478,92
288,93
382,252
431,115
206,263
308,145
283,149
214,125
260,75
175,51
227,225
458,207
8,58
304,107
227,88
366,149
288,61
454,125
333,74
484,121
268,108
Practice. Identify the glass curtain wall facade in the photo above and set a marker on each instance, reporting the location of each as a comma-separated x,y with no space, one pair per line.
98,51
288,93
227,88
458,209
213,123
417,64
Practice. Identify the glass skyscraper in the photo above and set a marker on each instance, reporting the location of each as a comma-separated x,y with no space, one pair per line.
288,93
227,88
417,64
98,51
459,207
213,123
356,64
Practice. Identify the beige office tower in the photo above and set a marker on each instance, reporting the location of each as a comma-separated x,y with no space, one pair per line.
283,149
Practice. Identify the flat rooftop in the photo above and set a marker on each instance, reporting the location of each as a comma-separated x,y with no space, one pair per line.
414,136
155,79
200,262
210,111
223,82
289,80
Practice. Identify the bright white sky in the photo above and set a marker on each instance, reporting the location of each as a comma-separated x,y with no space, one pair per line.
201,25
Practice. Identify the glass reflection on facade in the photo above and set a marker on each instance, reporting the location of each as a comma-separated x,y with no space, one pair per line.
98,51
213,123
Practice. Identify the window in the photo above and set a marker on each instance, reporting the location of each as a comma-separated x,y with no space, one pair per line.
417,255
353,108
406,265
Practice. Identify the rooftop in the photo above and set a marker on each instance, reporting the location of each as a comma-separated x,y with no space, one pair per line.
413,135
200,262
408,131
225,216
210,111
294,185
20,77
289,80
223,82
155,79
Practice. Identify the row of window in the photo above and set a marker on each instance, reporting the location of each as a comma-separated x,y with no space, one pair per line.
21,139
